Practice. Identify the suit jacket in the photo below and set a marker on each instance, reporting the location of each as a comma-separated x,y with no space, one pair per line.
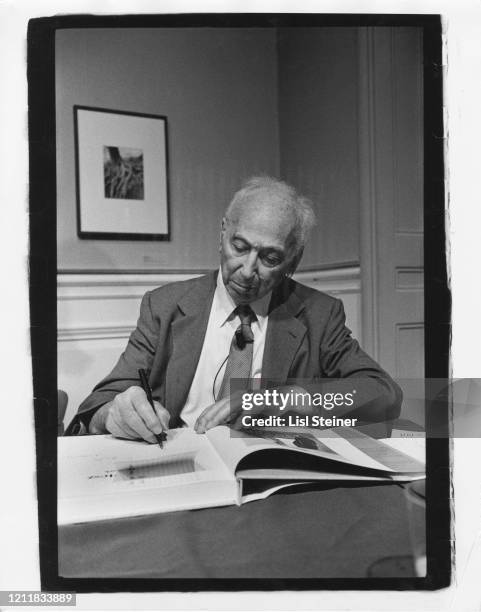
306,338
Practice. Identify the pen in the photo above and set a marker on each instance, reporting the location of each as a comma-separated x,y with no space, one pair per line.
148,392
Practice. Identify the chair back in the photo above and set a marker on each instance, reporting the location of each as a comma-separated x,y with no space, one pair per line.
62,401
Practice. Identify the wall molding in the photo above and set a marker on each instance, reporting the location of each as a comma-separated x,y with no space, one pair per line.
409,278
334,281
81,297
409,325
126,286
367,190
101,332
112,286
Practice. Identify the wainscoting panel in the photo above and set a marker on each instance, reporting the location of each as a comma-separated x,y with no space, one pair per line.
82,364
343,283
97,313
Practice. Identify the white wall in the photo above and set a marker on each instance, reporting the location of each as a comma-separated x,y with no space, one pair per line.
318,114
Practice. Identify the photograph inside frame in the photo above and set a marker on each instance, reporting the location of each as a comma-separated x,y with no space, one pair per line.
247,250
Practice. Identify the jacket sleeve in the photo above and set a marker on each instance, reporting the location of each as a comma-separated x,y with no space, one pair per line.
376,396
139,353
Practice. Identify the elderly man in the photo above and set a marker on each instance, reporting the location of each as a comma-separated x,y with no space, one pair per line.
250,320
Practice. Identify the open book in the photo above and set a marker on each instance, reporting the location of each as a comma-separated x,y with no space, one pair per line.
102,477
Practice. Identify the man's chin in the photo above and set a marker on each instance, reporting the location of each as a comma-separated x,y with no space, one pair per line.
242,295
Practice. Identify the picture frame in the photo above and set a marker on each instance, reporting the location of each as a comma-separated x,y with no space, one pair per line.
43,286
121,168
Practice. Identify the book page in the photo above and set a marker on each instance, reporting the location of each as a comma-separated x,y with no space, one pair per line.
235,446
305,476
252,490
343,445
232,446
351,446
413,447
389,456
321,475
103,476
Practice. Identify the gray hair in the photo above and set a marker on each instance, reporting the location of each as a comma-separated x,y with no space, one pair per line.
285,195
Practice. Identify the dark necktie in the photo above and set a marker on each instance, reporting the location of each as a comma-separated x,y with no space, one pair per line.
239,362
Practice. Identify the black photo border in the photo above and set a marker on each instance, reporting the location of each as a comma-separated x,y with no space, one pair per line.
118,235
43,293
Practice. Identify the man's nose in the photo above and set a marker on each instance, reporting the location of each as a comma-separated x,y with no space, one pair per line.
249,267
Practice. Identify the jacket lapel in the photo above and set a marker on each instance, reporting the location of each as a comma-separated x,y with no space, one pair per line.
285,333
188,332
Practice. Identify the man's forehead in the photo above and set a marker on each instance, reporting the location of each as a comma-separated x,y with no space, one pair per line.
265,231
265,211
263,200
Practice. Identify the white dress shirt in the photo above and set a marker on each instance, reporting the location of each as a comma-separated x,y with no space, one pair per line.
215,350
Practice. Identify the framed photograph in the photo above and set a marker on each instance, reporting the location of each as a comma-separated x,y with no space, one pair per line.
121,174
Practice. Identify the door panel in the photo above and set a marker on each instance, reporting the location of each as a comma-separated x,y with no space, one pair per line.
391,150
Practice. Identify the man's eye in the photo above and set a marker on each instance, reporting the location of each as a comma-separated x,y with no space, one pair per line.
271,260
239,246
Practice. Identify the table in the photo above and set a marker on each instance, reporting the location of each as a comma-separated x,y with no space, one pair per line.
321,531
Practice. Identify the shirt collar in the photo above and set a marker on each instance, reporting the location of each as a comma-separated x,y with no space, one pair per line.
225,305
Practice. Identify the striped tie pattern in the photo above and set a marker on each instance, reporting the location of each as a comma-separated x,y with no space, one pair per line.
239,362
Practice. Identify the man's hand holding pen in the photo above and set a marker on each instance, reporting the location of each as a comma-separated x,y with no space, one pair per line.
130,415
